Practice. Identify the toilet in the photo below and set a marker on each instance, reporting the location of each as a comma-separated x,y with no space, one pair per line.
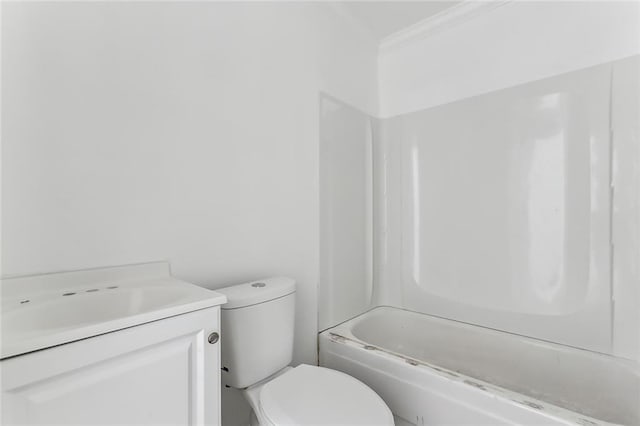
257,346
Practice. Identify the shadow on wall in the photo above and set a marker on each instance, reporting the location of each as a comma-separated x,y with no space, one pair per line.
235,409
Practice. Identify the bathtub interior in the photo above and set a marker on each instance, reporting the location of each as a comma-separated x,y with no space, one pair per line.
422,394
594,385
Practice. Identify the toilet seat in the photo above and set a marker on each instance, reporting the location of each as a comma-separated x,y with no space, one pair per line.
309,395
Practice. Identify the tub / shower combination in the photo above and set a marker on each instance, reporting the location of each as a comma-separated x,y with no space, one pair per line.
435,371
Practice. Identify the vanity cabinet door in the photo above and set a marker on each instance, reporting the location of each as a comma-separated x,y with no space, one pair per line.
163,372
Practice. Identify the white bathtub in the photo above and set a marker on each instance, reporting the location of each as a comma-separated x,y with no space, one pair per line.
435,371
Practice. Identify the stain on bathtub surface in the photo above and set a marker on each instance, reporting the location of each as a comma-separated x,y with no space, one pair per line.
586,422
531,405
337,338
411,362
370,348
450,373
475,385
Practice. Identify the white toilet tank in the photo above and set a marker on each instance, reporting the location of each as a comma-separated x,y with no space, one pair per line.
257,330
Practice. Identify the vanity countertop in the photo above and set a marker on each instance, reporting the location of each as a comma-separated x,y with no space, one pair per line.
42,311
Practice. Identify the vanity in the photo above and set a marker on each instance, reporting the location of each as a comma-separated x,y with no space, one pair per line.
124,345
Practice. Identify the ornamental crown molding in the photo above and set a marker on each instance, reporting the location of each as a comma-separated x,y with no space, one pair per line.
444,20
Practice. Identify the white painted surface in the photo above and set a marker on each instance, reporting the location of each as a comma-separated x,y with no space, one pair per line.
458,13
446,372
164,372
181,131
43,311
346,227
512,44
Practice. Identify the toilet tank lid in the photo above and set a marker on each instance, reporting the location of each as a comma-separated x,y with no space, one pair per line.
258,291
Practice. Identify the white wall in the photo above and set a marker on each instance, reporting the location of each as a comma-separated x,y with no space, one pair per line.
188,132
515,43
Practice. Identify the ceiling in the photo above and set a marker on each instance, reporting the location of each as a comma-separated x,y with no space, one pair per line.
383,18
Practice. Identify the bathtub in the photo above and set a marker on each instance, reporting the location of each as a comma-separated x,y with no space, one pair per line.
435,371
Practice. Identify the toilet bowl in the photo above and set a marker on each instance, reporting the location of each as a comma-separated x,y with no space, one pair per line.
257,346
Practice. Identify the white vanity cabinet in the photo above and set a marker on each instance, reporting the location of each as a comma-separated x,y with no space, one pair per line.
161,372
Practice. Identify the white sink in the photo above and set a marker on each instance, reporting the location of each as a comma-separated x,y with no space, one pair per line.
60,311
46,311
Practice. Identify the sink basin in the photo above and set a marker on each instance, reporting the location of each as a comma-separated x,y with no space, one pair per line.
83,308
48,310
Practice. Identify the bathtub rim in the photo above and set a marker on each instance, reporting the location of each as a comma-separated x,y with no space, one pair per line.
631,365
